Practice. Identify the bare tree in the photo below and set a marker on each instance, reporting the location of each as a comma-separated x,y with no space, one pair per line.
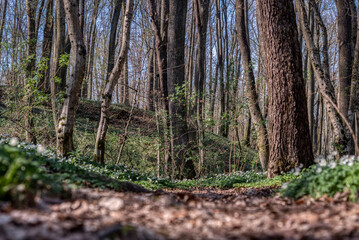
78,63
99,152
256,115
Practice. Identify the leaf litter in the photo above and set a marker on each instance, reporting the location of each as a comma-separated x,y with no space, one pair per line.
182,214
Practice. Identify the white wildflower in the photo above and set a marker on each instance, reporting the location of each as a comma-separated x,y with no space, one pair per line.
323,162
285,185
332,164
14,142
40,149
350,163
335,153
297,171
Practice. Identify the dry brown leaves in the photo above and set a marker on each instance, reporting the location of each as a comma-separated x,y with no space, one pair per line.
179,214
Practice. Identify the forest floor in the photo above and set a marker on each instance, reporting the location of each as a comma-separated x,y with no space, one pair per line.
181,214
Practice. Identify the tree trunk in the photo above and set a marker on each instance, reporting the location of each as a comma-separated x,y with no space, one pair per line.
78,64
150,83
44,81
289,138
321,72
2,23
99,152
176,77
242,35
220,65
344,30
90,52
31,6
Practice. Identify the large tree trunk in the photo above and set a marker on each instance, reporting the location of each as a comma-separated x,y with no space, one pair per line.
321,72
289,138
99,153
31,6
242,35
78,63
344,29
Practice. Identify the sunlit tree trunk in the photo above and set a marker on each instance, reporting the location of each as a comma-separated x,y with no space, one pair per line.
73,86
99,152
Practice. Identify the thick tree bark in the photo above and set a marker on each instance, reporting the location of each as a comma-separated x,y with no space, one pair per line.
44,82
73,87
99,152
242,35
321,72
344,29
288,133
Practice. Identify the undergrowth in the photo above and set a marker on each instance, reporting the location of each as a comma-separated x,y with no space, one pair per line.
327,177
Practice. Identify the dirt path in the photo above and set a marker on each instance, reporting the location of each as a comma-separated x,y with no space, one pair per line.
178,214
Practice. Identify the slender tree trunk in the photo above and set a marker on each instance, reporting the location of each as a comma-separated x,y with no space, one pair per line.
344,29
150,83
201,9
2,23
78,64
321,72
242,35
289,138
99,152
90,51
31,6
44,81
220,65
176,77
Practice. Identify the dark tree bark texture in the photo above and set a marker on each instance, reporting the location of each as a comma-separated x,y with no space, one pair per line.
289,138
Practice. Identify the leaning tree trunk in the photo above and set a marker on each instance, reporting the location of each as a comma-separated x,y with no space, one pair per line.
288,132
78,63
242,33
99,153
321,72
